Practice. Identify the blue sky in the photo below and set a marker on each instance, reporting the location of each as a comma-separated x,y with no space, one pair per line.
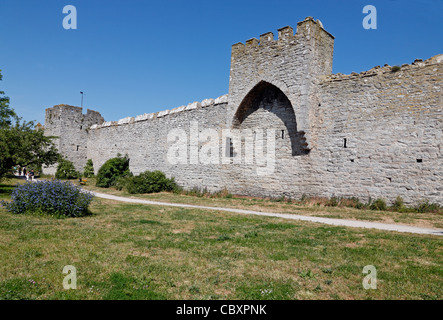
131,57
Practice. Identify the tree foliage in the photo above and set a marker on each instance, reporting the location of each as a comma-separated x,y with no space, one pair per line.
88,170
7,115
20,142
66,170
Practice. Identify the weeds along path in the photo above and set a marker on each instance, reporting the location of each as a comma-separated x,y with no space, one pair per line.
329,221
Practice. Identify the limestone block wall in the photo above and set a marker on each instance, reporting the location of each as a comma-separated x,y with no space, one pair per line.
380,133
145,140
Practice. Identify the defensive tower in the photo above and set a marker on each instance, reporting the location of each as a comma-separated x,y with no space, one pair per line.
71,126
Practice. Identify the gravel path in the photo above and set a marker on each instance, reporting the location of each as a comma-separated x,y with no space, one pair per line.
330,221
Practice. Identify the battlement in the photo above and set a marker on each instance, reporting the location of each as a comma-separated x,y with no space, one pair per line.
386,69
64,112
305,30
63,109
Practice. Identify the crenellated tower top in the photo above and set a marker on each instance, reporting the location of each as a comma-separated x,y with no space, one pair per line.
293,63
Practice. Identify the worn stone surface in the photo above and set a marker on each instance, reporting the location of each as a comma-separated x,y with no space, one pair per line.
372,134
71,126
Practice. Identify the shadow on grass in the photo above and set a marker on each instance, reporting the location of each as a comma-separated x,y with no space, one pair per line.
6,189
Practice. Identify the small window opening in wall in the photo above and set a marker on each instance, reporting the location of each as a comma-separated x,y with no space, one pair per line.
390,179
229,148
419,160
283,134
345,142
352,160
77,147
81,127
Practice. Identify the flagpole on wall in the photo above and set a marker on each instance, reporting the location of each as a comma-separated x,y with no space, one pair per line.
81,92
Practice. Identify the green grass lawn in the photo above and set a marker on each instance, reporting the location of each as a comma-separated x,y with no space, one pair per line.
127,251
426,220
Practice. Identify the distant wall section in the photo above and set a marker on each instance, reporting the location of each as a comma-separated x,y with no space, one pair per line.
71,126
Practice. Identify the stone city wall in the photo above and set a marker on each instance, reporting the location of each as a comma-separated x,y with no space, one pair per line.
288,127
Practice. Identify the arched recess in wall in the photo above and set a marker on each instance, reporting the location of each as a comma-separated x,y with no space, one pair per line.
267,107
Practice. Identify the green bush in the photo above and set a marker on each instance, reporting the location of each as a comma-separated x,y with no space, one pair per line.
426,206
88,170
333,202
378,204
150,182
111,170
398,204
352,202
120,183
66,170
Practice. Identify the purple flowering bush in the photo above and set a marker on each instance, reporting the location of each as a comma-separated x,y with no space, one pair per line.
57,198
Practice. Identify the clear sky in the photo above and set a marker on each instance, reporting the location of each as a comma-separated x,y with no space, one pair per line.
131,57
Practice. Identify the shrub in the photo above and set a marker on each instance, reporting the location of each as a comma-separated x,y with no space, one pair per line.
378,204
88,170
120,183
304,198
228,196
56,198
395,68
197,192
398,204
425,206
149,182
111,170
66,170
354,202
333,202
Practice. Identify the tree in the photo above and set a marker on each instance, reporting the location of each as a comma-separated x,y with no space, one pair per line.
88,170
6,113
66,170
20,143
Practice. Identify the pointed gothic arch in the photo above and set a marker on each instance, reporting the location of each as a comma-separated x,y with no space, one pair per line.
269,100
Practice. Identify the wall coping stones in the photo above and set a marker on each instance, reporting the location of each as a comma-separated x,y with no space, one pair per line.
377,70
125,120
178,109
221,99
144,116
207,103
162,113
193,105
148,116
